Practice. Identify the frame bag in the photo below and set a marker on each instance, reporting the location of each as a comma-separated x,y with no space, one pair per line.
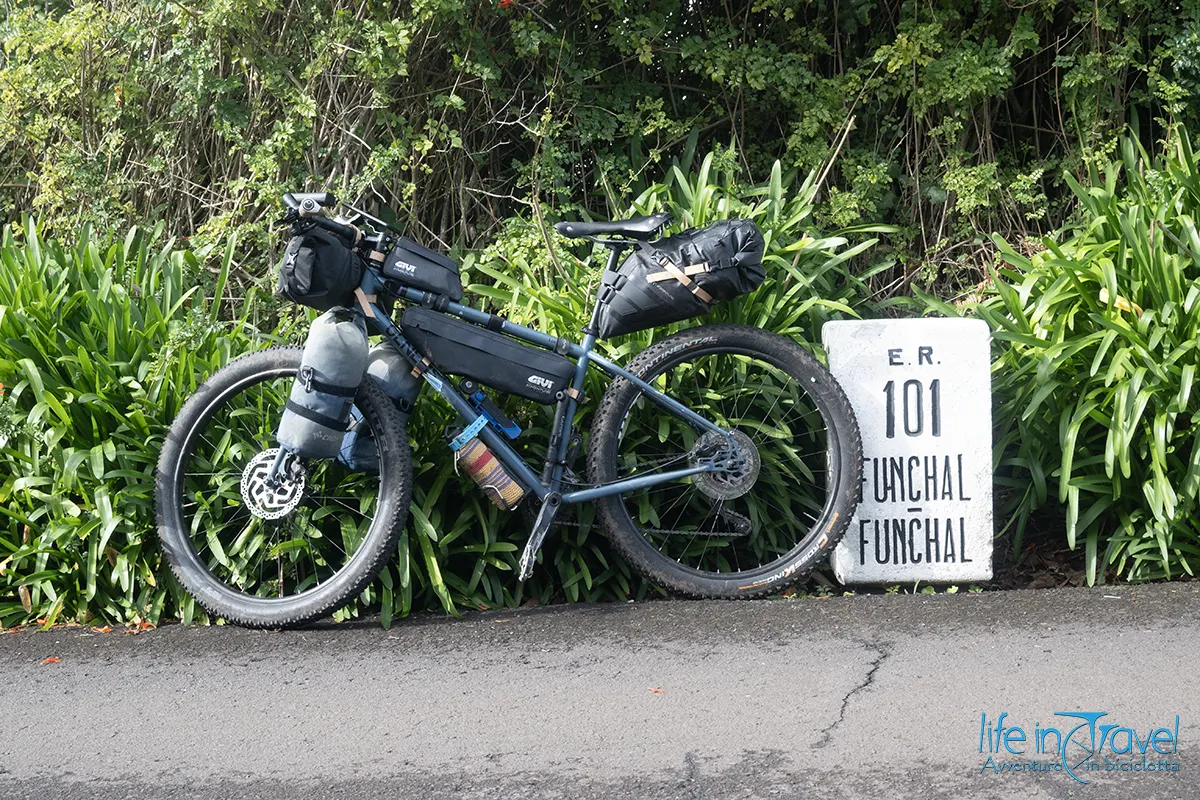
421,268
681,277
460,348
318,271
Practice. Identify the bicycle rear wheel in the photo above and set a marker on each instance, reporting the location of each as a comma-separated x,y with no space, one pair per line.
719,534
274,557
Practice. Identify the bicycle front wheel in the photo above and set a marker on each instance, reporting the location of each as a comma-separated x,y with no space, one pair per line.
721,534
264,556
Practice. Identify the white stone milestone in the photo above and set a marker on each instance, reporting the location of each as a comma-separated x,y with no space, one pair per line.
921,390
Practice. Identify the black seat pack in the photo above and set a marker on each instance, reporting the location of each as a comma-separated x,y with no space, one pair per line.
319,271
493,359
421,268
681,276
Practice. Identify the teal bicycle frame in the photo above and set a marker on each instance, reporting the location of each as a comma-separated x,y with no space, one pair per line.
564,416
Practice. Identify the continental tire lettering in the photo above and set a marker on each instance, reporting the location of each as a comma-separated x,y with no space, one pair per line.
776,577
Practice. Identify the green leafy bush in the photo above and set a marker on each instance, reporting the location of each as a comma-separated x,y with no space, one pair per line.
1098,357
457,114
99,346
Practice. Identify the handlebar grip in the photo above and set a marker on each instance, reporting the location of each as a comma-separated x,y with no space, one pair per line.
349,234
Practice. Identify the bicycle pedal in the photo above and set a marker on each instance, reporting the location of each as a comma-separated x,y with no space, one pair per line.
541,527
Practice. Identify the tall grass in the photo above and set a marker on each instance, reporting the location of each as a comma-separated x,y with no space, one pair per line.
99,346
1097,363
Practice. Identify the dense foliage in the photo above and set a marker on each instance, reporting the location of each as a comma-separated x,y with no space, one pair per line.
477,124
456,114
100,344
1098,334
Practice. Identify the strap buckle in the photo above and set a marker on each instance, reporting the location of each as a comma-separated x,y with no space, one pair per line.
467,435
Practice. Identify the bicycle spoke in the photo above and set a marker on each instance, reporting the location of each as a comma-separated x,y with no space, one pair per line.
268,558
693,521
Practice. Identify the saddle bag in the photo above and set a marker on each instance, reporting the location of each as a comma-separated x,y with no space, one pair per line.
460,348
319,407
681,277
421,268
319,271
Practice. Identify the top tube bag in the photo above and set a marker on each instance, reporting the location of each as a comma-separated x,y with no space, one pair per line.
681,277
422,268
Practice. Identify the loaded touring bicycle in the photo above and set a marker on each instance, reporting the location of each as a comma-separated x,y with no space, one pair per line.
724,461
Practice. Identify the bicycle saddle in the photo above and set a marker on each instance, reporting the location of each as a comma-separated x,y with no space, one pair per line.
636,228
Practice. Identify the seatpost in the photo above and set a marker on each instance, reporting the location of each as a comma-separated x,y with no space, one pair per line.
615,248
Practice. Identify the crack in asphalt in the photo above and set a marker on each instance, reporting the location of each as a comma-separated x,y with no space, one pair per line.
882,651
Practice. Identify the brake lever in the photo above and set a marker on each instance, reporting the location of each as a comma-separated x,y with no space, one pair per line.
290,217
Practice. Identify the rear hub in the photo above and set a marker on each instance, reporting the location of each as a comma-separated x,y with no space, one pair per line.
740,465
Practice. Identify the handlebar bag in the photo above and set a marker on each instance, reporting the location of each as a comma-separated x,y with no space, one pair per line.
493,359
421,268
681,277
318,271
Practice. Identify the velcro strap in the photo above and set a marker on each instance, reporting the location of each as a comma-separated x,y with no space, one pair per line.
679,275
470,433
317,417
436,302
575,395
365,301
495,322
694,269
312,383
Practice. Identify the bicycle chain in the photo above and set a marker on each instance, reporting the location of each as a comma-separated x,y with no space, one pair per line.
743,522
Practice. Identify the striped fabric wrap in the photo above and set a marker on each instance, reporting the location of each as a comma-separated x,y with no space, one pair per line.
478,462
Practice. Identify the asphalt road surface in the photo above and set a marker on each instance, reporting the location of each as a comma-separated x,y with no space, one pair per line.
873,697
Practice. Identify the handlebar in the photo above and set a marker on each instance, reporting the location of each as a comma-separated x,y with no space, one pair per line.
349,234
311,201
310,207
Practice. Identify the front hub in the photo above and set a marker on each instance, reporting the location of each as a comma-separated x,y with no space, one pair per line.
268,501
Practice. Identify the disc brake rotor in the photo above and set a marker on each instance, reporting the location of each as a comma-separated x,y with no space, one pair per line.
265,501
728,484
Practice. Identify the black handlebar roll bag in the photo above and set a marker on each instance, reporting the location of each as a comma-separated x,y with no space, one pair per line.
319,271
681,277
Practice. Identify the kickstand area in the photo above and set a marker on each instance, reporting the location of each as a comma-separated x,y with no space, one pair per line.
545,518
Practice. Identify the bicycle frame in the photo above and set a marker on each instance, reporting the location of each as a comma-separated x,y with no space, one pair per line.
564,416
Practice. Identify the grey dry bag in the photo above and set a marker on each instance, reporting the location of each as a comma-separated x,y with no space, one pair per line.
318,410
394,375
